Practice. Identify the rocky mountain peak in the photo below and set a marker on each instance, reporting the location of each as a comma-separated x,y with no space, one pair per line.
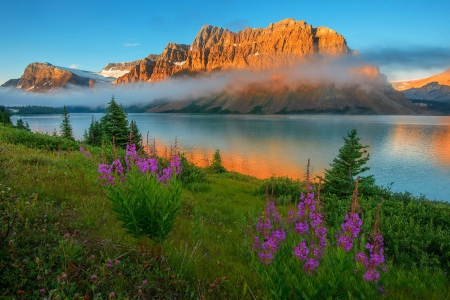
41,77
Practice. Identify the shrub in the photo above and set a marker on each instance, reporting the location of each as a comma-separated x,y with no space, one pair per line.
280,188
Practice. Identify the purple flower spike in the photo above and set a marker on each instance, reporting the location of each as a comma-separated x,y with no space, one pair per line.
270,233
308,222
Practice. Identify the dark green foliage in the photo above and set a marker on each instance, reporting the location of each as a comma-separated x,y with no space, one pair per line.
4,116
216,165
190,173
416,232
280,187
144,206
350,162
115,124
94,134
22,126
113,127
135,137
35,110
66,128
434,106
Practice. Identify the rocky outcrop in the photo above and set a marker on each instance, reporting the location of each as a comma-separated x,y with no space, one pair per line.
281,44
157,67
140,72
41,77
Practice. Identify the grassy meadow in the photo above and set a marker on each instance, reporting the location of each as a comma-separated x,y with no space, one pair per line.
61,240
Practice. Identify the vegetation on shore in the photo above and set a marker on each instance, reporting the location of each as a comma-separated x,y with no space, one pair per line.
60,236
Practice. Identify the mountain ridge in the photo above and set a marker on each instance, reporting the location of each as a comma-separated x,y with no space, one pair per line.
289,66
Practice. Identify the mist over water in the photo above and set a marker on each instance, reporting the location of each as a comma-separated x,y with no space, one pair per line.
411,151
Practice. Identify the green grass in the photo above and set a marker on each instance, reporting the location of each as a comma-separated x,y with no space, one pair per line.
56,213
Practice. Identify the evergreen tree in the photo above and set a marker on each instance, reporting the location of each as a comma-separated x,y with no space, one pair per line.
4,116
136,137
115,124
20,125
94,134
66,128
350,162
216,165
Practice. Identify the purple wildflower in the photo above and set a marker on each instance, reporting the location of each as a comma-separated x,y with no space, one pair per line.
270,233
309,224
375,259
351,227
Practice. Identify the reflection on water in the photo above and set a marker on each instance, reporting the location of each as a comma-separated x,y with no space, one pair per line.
413,152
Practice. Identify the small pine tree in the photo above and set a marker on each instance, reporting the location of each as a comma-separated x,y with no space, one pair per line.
136,137
4,116
20,125
66,128
216,165
93,136
115,124
350,162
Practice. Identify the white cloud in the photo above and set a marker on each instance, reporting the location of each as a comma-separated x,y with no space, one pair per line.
131,44
74,66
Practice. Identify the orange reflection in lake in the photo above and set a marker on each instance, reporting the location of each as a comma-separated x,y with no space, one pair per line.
260,164
422,143
441,145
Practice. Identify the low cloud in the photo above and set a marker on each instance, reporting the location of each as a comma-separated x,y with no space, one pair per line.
74,66
131,44
184,88
408,58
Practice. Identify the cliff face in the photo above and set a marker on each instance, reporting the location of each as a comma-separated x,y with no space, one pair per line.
281,44
41,77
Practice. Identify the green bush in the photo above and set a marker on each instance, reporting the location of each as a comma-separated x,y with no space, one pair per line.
416,232
145,206
39,140
280,188
190,173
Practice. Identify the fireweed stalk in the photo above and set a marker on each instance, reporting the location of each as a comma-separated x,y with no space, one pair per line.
270,233
352,224
375,259
309,225
110,173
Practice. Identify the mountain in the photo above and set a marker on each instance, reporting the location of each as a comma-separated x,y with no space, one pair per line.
431,91
436,87
288,67
43,77
214,48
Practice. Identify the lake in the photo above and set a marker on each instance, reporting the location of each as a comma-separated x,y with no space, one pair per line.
413,152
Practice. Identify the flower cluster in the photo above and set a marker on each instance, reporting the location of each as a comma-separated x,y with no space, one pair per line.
110,173
350,231
270,233
310,226
375,259
85,152
352,224
376,254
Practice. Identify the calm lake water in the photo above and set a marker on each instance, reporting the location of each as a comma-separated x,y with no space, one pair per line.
410,151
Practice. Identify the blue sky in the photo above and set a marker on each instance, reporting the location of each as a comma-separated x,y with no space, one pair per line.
408,39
